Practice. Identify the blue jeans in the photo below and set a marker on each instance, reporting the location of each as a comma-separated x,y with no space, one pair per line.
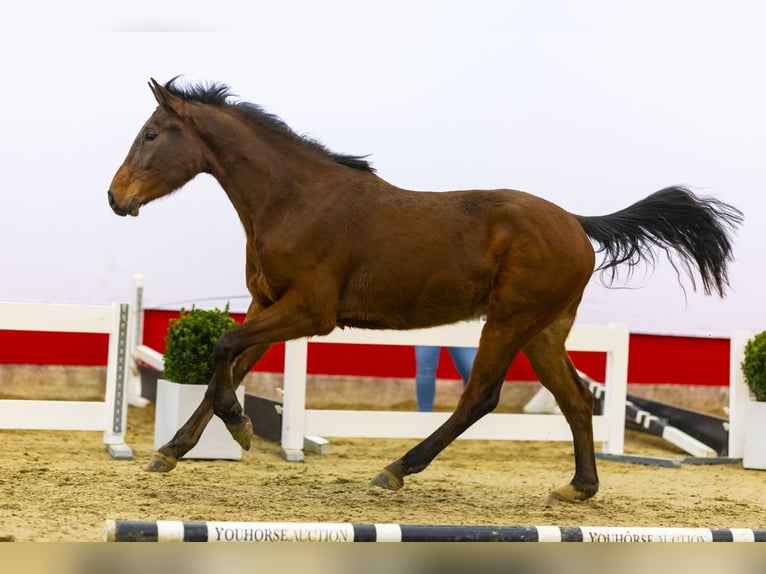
426,362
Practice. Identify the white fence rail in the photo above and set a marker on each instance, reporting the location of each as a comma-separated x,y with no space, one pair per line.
299,422
109,415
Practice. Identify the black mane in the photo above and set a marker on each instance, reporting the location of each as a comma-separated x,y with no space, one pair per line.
218,94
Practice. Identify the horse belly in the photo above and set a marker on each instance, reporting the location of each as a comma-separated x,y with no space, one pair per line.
404,302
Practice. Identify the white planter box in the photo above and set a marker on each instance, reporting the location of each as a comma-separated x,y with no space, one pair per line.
174,405
754,455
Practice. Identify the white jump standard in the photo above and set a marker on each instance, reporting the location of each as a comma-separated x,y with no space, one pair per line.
109,415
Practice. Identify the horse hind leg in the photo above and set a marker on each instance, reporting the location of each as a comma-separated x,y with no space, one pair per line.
547,355
500,342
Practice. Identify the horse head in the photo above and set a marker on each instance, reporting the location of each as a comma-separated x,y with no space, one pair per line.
164,156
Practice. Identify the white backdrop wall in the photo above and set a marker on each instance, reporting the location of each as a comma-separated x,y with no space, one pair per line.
592,105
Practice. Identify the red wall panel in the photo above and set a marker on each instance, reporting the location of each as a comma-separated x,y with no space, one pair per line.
653,359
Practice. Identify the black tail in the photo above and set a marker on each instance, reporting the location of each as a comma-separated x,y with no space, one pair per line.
672,219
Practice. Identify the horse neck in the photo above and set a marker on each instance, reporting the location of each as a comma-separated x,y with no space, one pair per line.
256,167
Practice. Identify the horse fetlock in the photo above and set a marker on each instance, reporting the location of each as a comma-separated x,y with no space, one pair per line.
230,411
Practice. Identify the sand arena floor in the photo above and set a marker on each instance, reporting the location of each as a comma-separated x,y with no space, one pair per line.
62,486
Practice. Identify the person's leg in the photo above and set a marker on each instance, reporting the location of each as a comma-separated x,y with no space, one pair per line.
426,361
462,358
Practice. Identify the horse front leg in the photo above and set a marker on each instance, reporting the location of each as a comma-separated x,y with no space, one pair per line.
166,457
234,354
291,317
479,397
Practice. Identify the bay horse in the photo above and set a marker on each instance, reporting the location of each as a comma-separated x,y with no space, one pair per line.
331,244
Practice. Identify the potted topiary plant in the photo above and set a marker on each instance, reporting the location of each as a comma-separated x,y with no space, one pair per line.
188,369
754,370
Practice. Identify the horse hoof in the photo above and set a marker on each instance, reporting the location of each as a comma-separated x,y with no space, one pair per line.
388,480
242,431
568,494
161,463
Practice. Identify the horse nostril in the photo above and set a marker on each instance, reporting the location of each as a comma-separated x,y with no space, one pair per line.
113,204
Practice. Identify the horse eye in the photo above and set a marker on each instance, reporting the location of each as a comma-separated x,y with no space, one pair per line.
150,136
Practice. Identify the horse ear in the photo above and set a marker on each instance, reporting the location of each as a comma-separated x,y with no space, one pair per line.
153,86
165,98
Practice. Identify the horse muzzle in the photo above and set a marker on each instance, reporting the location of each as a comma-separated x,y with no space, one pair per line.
122,211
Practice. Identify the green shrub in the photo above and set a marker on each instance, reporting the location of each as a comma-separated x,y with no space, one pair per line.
754,366
190,342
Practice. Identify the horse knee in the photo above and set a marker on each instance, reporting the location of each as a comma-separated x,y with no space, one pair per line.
223,351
